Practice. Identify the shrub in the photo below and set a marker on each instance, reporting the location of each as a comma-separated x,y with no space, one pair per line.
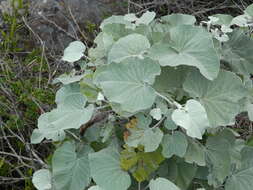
150,107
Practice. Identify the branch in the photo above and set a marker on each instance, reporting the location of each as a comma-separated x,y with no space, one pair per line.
173,103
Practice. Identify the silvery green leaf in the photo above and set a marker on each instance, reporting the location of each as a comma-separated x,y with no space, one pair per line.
162,184
151,139
235,146
238,40
218,159
146,18
112,33
47,130
219,35
37,136
222,38
74,51
107,132
193,118
181,173
237,52
142,134
114,20
67,92
162,105
131,17
156,113
247,154
249,10
100,97
117,108
70,115
133,45
223,19
242,178
241,20
175,144
71,169
226,29
67,79
179,19
213,19
188,45
250,111
103,43
95,188
106,170
88,88
129,83
219,97
195,153
93,133
42,179
171,79
170,124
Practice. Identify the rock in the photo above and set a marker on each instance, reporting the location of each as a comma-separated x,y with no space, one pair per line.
53,22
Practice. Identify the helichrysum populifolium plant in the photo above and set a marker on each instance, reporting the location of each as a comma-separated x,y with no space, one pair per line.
150,105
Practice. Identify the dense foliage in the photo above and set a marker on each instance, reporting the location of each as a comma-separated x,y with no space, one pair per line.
150,107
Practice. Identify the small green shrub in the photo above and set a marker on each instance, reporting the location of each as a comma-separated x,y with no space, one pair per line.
150,107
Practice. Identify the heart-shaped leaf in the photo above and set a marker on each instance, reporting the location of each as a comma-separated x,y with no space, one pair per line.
193,118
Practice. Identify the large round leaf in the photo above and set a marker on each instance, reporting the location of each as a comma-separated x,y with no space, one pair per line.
71,170
188,45
219,97
128,83
133,45
106,170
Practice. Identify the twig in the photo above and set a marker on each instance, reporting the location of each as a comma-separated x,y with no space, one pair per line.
171,102
17,156
78,27
158,123
42,53
58,27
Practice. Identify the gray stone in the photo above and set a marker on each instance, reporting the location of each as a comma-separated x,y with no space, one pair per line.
53,22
